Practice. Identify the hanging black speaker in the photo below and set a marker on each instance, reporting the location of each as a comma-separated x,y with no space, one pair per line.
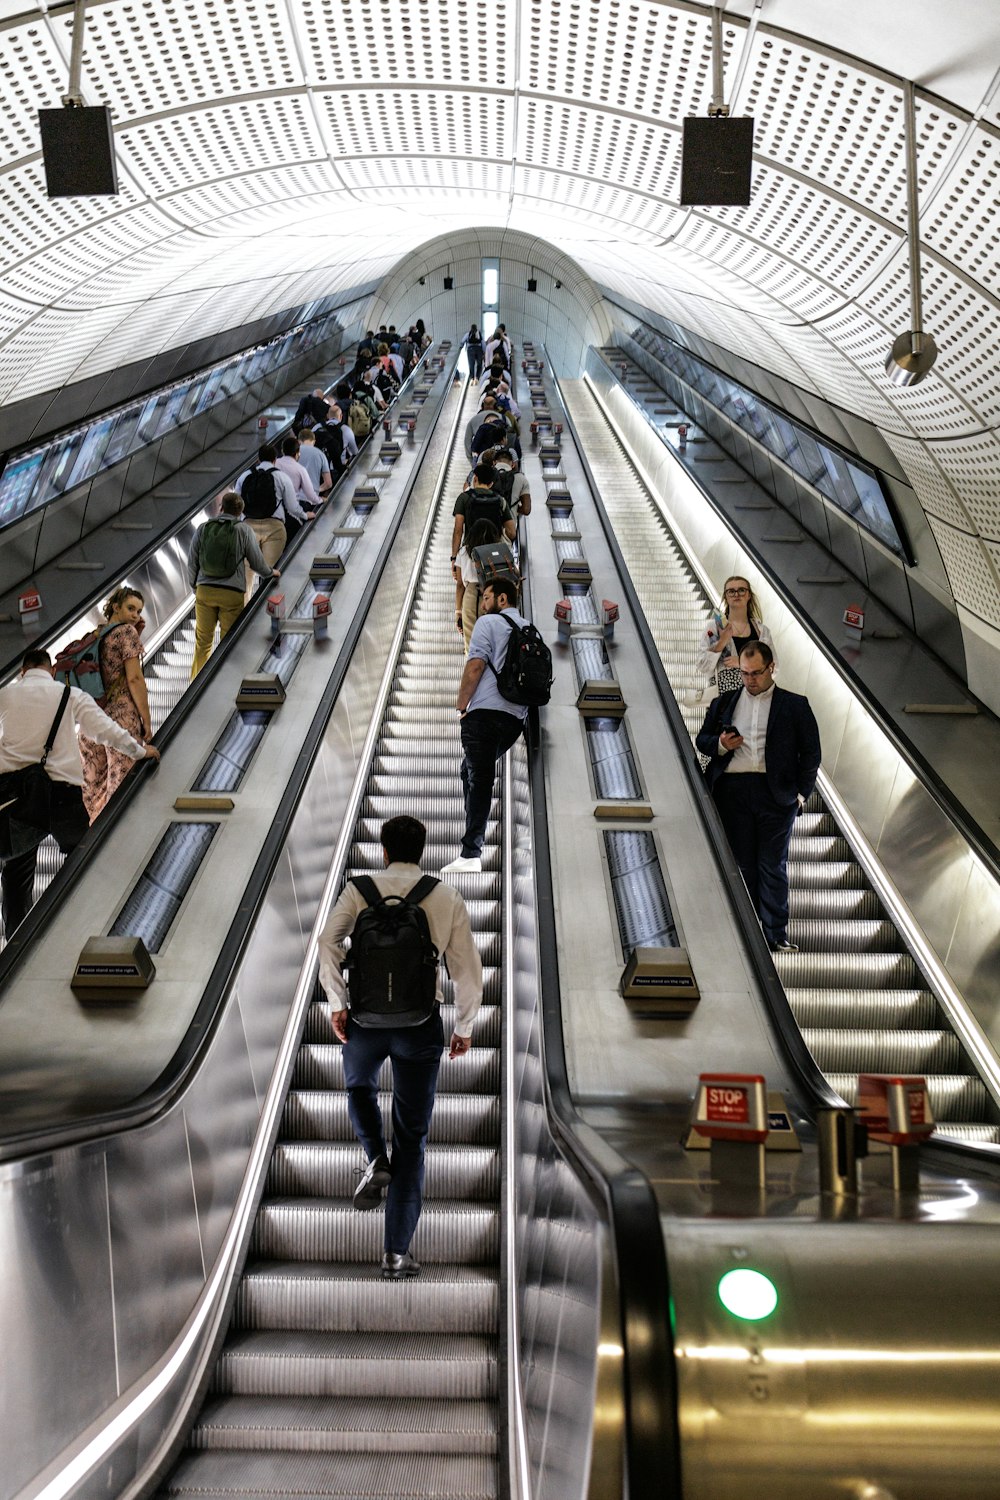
532,285
716,160
449,283
78,152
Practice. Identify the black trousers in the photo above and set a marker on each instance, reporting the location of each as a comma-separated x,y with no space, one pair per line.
487,735
17,878
759,829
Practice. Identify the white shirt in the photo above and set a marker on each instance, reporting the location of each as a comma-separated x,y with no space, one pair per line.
287,503
27,707
750,715
451,934
299,477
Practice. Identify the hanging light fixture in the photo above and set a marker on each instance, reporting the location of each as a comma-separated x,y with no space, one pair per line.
913,353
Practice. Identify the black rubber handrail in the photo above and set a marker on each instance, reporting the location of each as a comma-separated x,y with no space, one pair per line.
172,1080
787,1032
79,860
652,1437
974,835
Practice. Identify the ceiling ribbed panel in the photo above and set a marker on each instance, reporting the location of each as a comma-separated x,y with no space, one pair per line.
274,152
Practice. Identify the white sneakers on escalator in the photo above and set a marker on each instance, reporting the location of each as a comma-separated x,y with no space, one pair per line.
463,866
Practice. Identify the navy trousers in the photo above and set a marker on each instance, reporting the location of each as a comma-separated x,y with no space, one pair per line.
415,1054
487,735
759,829
68,826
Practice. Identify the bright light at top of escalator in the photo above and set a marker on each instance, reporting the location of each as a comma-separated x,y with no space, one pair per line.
748,1294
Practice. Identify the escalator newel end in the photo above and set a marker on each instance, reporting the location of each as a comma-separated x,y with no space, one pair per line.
112,971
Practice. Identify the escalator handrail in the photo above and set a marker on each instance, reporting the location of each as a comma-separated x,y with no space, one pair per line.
76,863
965,824
173,1079
625,1198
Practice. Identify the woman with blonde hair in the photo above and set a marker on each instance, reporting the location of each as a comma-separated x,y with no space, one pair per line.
736,622
125,698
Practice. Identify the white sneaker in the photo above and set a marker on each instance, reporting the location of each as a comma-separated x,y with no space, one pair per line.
463,866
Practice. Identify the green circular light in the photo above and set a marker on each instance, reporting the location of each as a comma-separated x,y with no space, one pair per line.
748,1294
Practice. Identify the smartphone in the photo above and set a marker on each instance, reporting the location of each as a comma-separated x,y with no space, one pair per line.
728,729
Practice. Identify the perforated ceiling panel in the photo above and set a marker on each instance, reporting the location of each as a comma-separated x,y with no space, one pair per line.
274,152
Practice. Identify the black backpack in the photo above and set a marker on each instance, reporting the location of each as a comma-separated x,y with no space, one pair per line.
526,675
260,494
330,442
392,966
483,505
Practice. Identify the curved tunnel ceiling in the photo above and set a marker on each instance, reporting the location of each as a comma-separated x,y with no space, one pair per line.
274,152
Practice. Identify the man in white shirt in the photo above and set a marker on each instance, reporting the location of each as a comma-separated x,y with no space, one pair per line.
28,707
415,1050
764,756
490,724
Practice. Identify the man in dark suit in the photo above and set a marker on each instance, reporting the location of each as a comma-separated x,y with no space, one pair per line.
764,753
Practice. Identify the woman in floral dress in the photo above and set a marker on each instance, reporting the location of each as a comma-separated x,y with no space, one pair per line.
125,699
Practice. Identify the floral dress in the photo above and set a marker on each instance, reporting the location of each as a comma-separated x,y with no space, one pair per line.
103,767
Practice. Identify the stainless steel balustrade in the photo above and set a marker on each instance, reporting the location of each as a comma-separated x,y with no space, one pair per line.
862,1000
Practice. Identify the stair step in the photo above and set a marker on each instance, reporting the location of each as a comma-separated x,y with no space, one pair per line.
334,1297
335,1424
342,1364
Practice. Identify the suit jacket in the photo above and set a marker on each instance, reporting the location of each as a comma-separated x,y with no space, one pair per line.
791,750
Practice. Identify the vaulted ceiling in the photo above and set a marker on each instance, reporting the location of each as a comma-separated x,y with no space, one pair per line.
273,152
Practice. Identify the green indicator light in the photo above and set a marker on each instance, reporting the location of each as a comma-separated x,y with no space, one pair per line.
748,1294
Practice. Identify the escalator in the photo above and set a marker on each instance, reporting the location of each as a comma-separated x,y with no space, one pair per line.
856,990
332,1381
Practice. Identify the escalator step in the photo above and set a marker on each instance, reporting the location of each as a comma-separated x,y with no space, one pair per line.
885,1051
846,971
844,874
332,1297
472,1119
332,1424
346,1364
952,1099
318,1229
294,1476
833,905
867,1009
330,1169
320,1066
854,936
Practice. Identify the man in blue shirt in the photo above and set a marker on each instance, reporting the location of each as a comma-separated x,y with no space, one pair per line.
490,724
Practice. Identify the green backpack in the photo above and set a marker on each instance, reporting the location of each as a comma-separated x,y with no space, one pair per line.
220,552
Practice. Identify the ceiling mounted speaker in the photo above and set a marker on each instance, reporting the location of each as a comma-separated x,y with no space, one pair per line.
532,285
449,283
716,160
78,152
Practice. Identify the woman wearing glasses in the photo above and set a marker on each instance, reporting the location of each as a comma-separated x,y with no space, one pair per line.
735,623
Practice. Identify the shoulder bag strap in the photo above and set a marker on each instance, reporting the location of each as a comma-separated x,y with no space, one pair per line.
55,725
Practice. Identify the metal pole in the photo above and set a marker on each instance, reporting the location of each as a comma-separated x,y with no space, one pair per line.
913,217
73,97
718,105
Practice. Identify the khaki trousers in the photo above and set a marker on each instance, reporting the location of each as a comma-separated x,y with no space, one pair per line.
272,539
212,606
470,611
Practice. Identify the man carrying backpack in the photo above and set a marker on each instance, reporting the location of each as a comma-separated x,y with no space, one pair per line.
268,499
480,503
508,670
220,553
400,924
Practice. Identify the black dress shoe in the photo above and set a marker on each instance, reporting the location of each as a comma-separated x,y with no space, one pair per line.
398,1267
377,1177
784,947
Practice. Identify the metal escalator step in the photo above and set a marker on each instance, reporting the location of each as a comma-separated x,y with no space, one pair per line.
853,936
440,829
436,853
318,1229
332,1424
817,823
820,847
484,885
952,1099
884,1051
834,875
980,1135
847,971
320,1066
329,1169
350,1364
305,1476
833,905
332,1298
469,1119
869,1009
418,805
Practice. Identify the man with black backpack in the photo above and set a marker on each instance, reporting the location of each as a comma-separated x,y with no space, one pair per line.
400,924
508,670
480,502
268,501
